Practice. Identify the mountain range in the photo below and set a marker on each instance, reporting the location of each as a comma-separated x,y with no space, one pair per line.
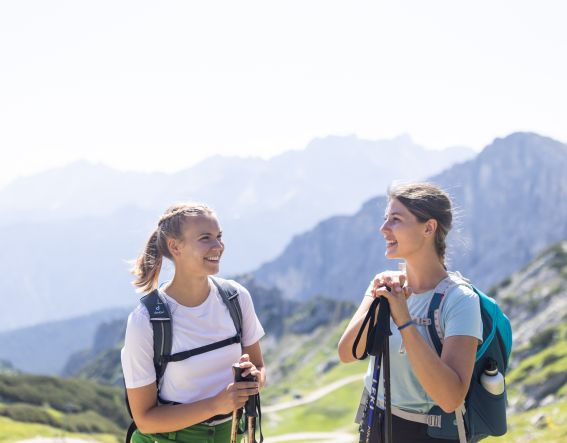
510,200
67,234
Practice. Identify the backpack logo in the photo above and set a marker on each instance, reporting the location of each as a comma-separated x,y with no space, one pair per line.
159,309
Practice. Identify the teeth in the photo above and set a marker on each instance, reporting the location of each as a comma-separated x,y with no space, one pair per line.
215,257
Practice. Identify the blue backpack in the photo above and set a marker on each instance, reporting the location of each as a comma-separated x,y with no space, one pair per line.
484,413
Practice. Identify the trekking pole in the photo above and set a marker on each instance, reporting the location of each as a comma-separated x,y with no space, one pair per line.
237,371
383,328
377,345
250,408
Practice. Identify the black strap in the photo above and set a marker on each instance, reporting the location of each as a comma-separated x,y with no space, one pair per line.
160,319
434,306
377,344
229,295
201,350
130,431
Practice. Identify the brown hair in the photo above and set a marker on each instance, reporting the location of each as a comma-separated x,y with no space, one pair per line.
147,266
427,201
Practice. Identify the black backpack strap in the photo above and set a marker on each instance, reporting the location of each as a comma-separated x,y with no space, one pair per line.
130,431
229,294
160,319
201,350
431,327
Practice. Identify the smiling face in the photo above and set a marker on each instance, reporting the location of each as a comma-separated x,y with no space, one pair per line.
200,249
405,235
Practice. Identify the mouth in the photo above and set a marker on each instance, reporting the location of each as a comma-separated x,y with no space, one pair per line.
391,244
213,258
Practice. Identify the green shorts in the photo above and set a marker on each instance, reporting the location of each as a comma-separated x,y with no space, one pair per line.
193,434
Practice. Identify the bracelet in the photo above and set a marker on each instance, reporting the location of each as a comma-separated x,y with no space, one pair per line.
405,325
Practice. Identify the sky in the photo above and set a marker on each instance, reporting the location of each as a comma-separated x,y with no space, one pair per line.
161,85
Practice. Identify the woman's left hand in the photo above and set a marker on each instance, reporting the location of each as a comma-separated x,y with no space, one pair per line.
250,369
397,299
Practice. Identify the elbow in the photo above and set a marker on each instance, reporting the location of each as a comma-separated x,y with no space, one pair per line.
344,355
448,408
451,404
145,427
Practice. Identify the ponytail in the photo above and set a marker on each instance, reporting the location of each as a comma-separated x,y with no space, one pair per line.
147,266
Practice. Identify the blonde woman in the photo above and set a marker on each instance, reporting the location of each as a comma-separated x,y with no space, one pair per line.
195,397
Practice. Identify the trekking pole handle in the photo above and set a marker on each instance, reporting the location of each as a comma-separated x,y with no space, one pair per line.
250,405
237,371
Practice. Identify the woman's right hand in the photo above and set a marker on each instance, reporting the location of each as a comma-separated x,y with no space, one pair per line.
395,280
235,395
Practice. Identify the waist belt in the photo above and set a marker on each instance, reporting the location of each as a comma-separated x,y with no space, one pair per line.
217,419
427,419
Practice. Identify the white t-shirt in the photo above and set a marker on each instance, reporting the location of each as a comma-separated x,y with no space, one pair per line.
460,315
198,377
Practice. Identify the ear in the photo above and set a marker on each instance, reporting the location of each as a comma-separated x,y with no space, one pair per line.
430,227
173,246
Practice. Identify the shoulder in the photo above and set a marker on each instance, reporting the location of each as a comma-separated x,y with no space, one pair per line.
242,291
139,317
461,291
460,297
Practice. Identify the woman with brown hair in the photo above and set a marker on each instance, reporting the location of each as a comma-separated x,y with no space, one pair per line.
194,399
417,220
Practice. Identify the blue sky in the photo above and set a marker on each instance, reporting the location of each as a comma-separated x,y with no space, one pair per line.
160,85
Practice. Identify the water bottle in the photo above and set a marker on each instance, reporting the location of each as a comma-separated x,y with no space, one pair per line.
491,379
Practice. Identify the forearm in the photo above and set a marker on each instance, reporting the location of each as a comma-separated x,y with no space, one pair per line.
439,380
169,418
347,340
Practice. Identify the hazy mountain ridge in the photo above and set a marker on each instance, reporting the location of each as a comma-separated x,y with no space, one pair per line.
501,196
68,233
45,348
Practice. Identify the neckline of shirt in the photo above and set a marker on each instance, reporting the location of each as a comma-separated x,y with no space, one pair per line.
174,304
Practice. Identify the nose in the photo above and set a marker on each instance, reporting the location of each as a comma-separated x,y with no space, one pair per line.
219,244
384,227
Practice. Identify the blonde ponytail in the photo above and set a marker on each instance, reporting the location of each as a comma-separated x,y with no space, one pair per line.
147,266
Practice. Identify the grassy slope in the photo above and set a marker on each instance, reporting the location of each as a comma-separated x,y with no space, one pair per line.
335,412
12,431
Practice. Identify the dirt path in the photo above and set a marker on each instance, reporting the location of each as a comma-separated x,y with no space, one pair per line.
317,437
315,395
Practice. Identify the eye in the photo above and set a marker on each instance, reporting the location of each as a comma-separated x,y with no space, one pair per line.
204,237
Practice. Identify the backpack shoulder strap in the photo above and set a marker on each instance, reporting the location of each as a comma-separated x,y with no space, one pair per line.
433,313
160,319
434,326
229,294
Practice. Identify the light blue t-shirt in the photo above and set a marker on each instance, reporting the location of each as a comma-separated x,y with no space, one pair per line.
460,315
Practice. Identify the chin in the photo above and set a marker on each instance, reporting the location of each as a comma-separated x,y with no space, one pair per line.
391,255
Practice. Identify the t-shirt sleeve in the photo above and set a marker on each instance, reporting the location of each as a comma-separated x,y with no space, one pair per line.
138,352
252,330
461,313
